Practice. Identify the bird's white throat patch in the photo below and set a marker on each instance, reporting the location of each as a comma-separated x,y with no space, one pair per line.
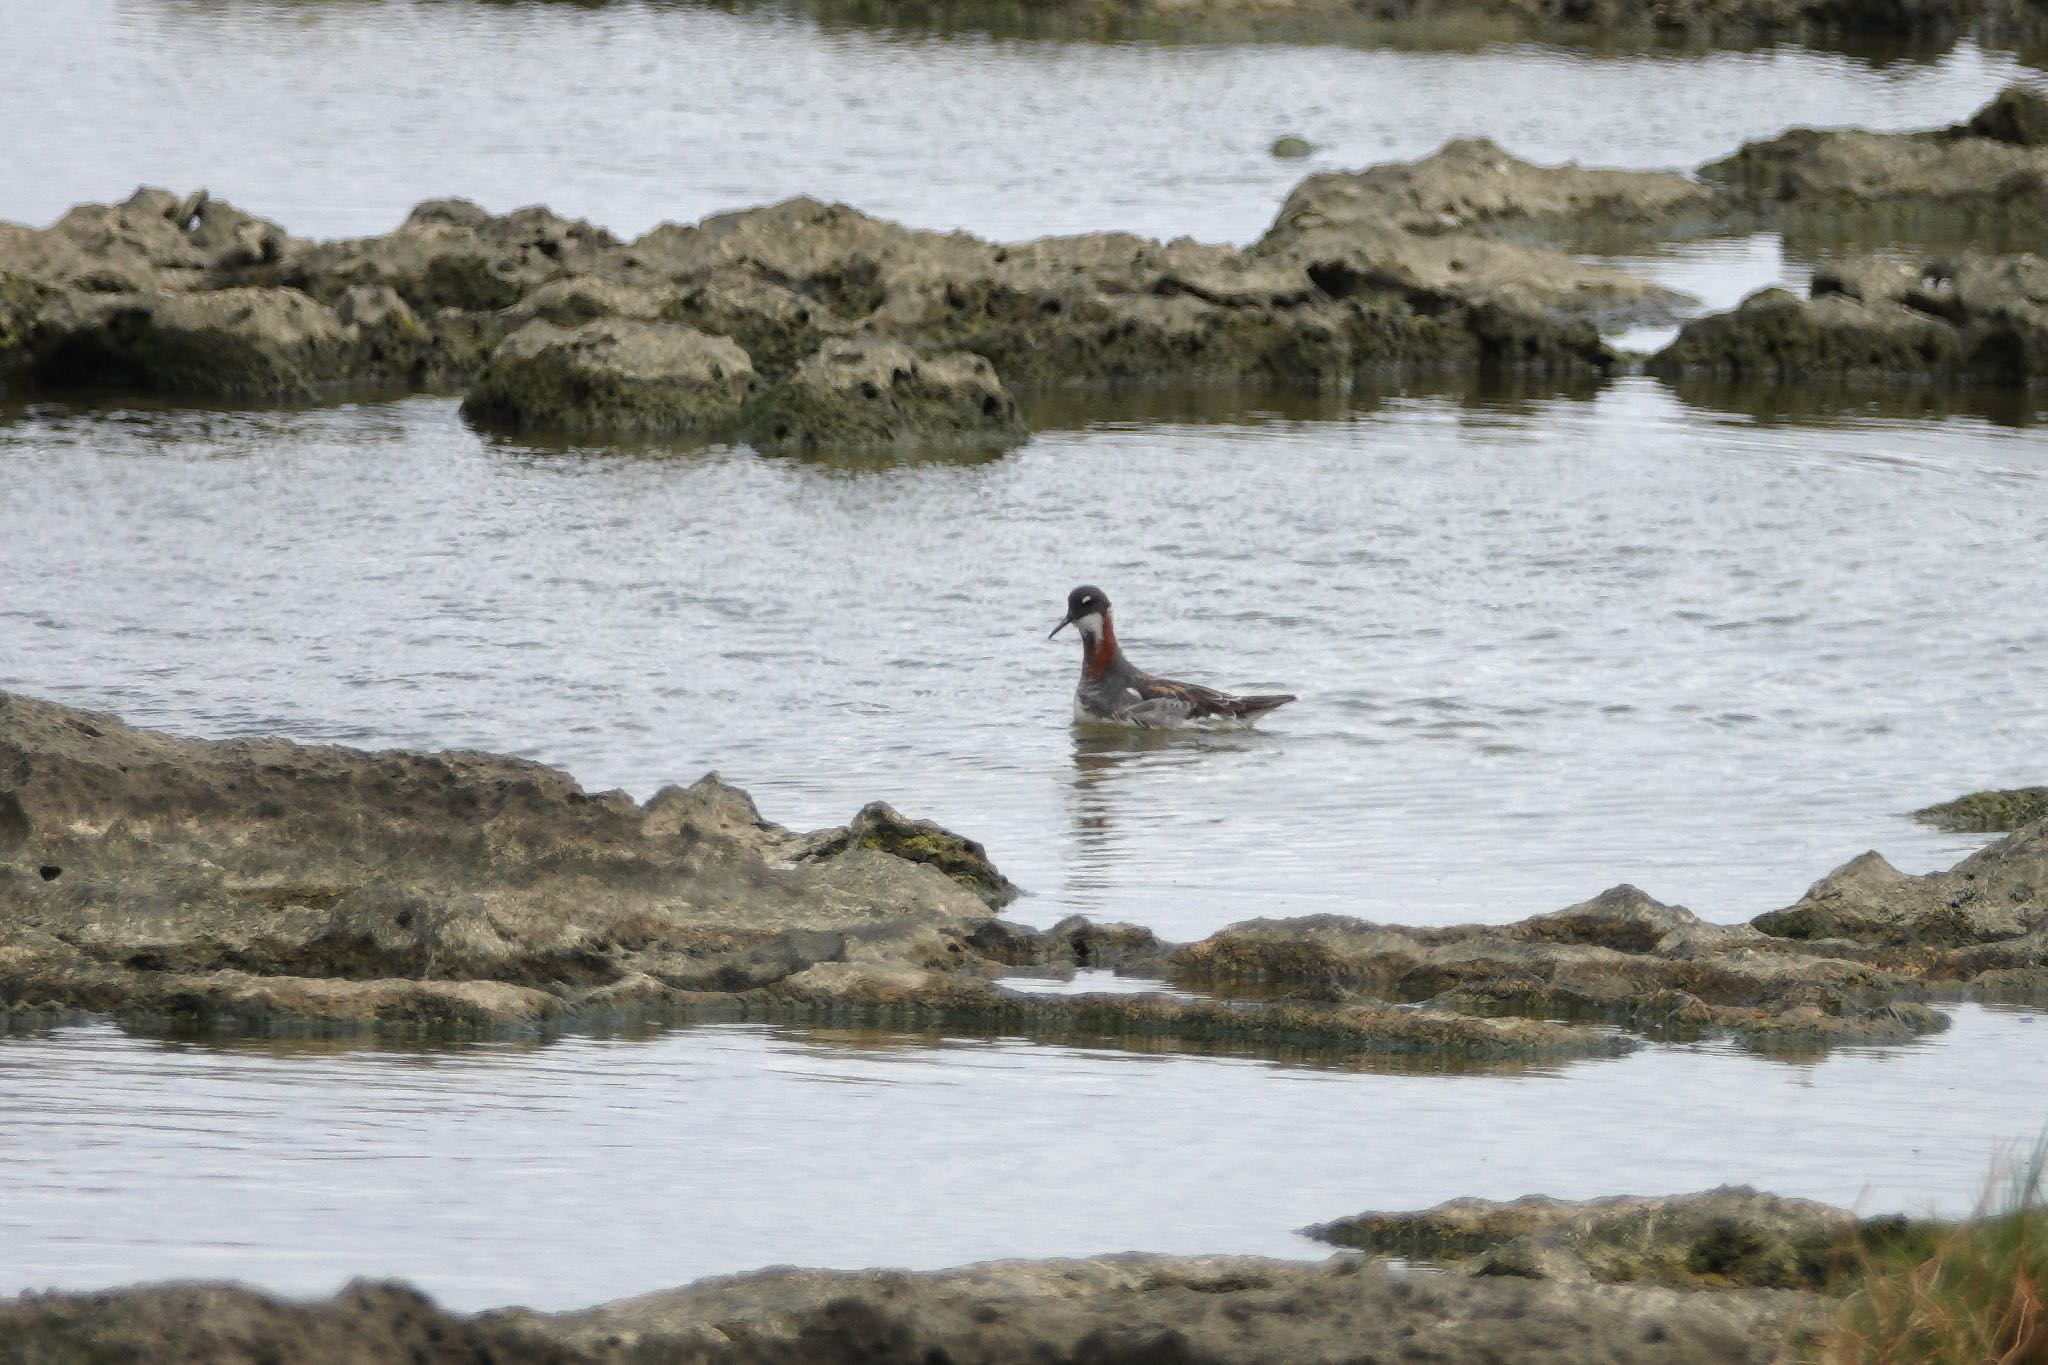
1090,625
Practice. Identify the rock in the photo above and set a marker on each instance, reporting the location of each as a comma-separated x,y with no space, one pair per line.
143,243
2017,115
1730,1237
774,324
235,1326
613,377
449,253
1191,1310
1436,234
1775,336
240,344
866,393
577,299
1989,811
1987,176
1979,320
253,883
257,884
1473,184
1620,958
878,826
1291,148
1998,893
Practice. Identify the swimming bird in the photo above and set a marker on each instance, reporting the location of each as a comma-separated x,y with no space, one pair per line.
1115,690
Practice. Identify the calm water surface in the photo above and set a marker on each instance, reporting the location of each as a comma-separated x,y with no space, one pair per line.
336,118
1542,646
585,1170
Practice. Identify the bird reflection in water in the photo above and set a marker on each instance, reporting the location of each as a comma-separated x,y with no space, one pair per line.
1116,788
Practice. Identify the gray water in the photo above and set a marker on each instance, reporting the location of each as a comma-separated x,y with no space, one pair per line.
567,1174
336,118
1544,644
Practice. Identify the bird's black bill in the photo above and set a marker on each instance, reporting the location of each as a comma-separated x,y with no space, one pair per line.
1068,621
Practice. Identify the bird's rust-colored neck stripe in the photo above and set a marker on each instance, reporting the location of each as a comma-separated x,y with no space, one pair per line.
1099,651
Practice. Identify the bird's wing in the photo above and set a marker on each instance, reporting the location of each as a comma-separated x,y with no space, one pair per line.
1171,701
1174,701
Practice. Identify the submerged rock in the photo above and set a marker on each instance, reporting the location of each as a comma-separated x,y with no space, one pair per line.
613,377
1988,811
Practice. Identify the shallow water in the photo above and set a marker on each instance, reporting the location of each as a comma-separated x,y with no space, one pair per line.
336,118
1543,646
586,1169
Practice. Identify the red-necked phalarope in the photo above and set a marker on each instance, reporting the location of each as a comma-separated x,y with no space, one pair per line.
1114,690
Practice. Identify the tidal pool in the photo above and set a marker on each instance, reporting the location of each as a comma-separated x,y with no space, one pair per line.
585,1169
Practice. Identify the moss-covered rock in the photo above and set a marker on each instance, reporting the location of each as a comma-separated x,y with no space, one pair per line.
613,378
865,393
1725,1238
1776,336
879,826
237,344
1988,812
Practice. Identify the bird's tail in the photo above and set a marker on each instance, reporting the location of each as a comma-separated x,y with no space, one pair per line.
1248,707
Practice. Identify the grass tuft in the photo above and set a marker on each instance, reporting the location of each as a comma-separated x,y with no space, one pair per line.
1978,1296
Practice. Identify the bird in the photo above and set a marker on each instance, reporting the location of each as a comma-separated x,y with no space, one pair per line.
1115,690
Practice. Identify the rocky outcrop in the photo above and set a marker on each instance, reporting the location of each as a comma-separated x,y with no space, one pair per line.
1983,180
213,884
1988,812
1976,320
1997,895
1190,1310
1927,25
1620,958
864,333
262,885
613,377
1733,1237
229,1325
1475,185
867,393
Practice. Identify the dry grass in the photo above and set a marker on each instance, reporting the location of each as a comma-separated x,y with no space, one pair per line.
1977,1296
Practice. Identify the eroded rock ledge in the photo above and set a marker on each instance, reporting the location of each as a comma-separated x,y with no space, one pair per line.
263,885
1188,1310
811,326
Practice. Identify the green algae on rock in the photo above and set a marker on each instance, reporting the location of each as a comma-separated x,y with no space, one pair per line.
1989,812
613,377
866,393
1732,1237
